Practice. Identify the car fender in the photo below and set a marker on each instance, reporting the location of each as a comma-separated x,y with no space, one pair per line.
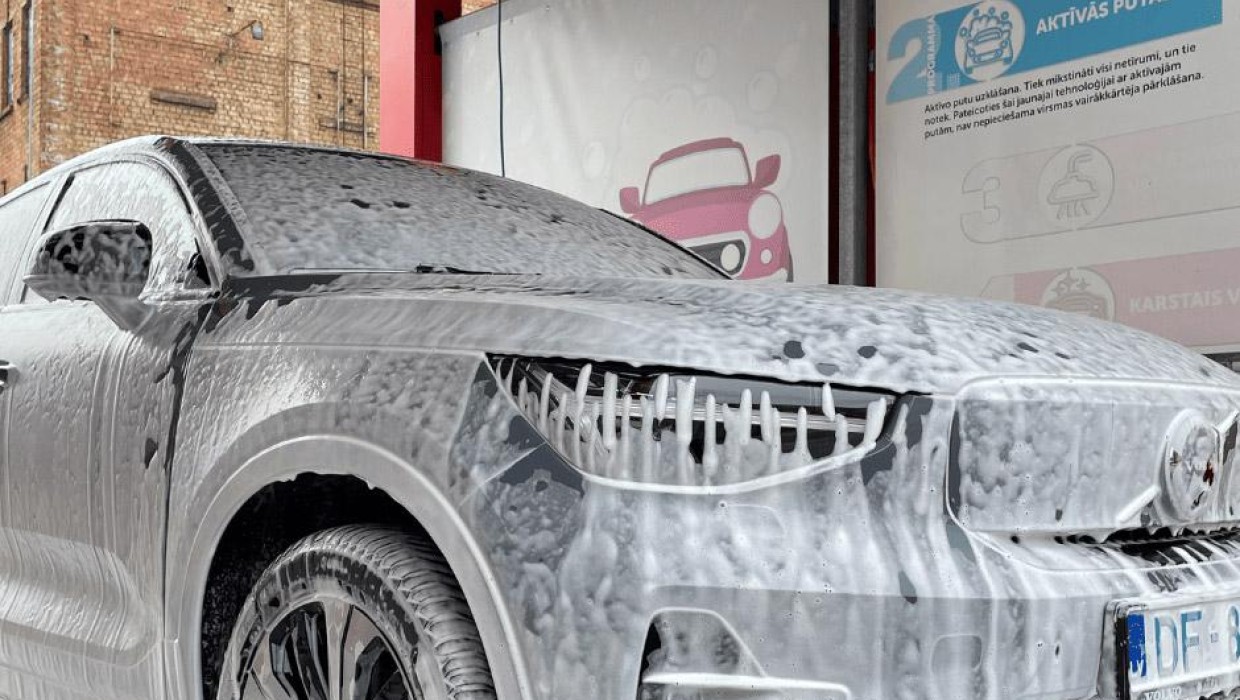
249,470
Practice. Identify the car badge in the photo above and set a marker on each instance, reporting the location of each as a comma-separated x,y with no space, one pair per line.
1191,464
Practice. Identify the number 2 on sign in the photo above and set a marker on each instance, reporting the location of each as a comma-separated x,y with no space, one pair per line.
917,76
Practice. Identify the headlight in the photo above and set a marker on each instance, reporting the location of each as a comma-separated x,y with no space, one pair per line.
679,428
731,257
765,216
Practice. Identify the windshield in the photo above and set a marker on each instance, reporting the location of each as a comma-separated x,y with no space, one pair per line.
704,170
311,210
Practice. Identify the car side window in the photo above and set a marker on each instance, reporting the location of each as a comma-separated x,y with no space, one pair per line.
17,220
135,192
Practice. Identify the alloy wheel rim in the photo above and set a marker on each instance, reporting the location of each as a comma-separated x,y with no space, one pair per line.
328,649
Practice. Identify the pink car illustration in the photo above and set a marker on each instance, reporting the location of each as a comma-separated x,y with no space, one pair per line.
702,196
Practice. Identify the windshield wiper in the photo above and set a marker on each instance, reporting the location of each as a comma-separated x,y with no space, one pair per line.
417,270
449,270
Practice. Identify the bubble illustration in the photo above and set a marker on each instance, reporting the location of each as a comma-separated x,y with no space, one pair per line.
594,160
641,69
707,63
763,90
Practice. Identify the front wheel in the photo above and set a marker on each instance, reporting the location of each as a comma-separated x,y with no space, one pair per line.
356,613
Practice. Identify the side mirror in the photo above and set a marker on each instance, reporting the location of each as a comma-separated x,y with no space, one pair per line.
630,200
107,262
767,171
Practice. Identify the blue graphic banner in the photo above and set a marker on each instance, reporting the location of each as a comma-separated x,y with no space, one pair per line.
988,40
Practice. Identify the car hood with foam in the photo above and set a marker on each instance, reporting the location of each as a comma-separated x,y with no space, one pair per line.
900,341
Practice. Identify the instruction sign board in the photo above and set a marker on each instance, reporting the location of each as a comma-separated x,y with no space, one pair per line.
1082,156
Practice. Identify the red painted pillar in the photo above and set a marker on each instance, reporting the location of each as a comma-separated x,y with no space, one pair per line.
411,76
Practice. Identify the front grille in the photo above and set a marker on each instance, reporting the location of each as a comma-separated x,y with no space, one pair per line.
1165,547
1163,536
672,427
1067,457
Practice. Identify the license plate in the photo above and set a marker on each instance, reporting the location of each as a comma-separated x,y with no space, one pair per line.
1177,648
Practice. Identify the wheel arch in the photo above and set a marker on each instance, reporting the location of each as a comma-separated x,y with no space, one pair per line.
386,476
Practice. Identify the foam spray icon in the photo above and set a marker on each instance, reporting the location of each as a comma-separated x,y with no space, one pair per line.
1074,193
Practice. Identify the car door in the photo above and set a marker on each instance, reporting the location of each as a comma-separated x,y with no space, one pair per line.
18,217
89,436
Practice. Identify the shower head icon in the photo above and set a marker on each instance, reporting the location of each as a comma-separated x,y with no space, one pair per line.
1075,192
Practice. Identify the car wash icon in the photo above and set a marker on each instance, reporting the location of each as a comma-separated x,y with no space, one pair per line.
990,39
1081,291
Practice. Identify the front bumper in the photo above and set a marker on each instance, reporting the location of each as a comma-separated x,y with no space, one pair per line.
996,627
854,582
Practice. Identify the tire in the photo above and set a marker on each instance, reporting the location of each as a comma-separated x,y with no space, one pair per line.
384,601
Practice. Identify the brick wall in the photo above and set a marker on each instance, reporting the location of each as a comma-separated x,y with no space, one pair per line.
468,6
111,69
18,115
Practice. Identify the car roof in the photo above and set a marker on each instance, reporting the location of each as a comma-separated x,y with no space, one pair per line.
272,143
158,144
697,146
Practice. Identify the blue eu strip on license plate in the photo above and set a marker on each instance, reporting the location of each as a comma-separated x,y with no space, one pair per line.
1136,645
1179,648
